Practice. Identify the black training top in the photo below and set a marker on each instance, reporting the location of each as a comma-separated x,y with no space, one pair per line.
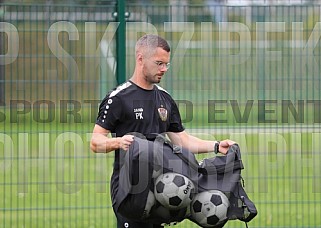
130,108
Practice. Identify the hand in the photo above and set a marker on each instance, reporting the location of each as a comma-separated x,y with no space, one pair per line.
225,145
125,142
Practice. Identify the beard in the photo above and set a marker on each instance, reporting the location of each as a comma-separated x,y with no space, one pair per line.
153,78
158,78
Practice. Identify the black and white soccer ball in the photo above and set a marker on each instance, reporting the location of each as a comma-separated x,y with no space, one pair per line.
209,208
150,202
167,216
173,190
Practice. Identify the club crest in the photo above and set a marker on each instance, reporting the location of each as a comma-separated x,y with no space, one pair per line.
162,113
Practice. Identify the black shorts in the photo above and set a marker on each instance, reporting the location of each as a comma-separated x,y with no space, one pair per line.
125,223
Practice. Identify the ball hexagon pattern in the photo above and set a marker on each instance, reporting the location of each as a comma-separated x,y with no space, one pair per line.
209,208
173,190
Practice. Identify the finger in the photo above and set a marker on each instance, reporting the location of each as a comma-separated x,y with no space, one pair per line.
129,138
128,143
224,143
125,147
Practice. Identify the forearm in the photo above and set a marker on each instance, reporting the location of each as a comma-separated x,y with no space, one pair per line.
196,145
103,144
192,143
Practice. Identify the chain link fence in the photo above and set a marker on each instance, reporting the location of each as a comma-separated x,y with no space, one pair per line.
245,70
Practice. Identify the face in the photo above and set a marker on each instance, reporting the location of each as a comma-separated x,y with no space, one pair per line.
154,66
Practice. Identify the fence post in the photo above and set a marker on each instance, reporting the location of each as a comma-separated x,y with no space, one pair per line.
2,67
121,43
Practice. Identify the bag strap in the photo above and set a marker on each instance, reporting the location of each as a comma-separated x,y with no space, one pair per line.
177,150
209,170
246,203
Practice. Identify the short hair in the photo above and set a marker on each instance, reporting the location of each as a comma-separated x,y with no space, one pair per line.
151,42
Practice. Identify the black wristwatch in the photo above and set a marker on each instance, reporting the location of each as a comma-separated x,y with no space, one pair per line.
216,147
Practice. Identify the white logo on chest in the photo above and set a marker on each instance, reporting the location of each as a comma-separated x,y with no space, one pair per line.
139,113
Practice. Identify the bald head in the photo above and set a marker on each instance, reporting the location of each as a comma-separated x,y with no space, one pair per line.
148,44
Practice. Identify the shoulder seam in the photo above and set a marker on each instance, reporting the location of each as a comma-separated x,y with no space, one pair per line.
120,88
161,88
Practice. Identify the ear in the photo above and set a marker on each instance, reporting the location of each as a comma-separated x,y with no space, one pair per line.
139,57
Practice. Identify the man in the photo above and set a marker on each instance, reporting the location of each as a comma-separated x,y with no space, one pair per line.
139,105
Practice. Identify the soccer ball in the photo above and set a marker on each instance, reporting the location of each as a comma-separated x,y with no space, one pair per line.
173,190
150,202
167,216
209,208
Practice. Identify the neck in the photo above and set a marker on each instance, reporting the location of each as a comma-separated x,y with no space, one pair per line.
141,82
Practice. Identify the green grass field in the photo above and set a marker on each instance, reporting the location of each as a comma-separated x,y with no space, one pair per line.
48,182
